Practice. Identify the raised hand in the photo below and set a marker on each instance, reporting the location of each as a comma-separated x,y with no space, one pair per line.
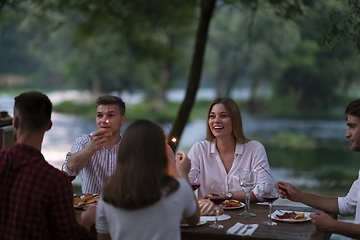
288,191
99,139
183,164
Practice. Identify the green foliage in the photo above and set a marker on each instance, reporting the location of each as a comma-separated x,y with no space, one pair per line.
76,188
284,105
334,178
289,139
84,109
136,111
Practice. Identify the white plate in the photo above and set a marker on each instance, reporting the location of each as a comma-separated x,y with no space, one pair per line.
212,218
240,206
201,222
306,214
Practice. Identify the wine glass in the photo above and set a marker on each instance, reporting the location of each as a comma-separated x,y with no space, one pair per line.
217,196
194,180
270,194
248,180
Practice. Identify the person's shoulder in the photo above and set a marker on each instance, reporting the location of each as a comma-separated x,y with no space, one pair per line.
201,144
51,170
83,138
85,135
254,143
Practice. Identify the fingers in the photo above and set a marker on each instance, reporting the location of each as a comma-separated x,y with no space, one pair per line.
100,138
181,156
183,164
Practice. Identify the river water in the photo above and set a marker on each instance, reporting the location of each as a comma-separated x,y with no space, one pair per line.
296,166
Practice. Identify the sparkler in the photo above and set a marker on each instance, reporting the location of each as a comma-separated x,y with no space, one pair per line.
174,140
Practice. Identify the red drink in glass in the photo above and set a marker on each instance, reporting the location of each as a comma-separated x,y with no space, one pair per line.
195,186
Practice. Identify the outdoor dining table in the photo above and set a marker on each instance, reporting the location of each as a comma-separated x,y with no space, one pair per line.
284,230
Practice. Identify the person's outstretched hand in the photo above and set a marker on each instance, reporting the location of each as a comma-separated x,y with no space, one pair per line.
288,191
99,139
183,164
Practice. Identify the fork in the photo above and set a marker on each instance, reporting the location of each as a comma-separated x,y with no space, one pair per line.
246,229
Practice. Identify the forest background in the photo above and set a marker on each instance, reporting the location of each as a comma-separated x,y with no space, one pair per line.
295,59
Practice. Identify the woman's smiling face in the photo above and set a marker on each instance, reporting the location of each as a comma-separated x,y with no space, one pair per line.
219,121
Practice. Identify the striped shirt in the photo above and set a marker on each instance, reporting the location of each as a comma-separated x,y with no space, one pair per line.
100,166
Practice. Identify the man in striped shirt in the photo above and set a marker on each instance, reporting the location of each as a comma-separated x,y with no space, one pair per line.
94,155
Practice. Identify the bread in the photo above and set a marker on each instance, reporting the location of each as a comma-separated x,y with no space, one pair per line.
77,200
207,208
86,199
93,200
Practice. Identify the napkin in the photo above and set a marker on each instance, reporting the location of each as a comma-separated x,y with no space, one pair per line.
238,225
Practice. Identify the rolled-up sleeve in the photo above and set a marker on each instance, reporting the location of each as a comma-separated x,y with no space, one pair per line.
347,205
79,144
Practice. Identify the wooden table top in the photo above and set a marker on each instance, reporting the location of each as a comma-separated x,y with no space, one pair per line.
283,230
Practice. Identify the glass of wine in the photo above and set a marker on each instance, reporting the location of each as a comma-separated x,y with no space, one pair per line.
194,180
217,196
270,194
248,180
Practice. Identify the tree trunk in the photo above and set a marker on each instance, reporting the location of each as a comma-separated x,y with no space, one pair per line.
207,8
221,73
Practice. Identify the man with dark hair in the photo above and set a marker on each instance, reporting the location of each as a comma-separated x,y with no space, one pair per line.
94,155
36,199
346,206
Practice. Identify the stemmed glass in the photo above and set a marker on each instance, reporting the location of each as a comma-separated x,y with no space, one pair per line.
217,196
248,180
194,181
270,194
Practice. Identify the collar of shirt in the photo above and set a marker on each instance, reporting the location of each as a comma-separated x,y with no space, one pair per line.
239,150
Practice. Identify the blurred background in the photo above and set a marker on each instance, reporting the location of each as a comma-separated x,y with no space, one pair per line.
292,66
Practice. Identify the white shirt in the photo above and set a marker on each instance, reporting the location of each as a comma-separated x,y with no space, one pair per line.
350,205
206,160
159,221
100,166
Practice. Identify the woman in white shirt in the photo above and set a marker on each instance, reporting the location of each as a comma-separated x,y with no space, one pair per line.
141,200
225,151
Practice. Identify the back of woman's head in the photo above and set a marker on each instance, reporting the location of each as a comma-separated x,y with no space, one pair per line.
140,178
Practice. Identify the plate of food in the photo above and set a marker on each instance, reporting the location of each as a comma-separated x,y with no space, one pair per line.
290,216
201,222
85,200
232,204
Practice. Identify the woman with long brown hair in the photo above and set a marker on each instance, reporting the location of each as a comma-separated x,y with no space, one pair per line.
225,151
141,200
